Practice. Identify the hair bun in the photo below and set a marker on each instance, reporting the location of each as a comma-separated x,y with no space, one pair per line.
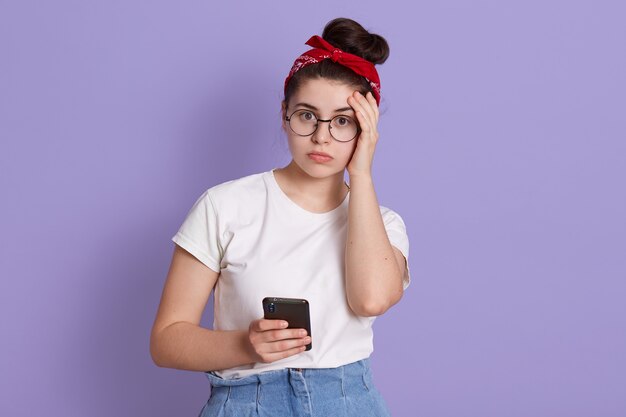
351,37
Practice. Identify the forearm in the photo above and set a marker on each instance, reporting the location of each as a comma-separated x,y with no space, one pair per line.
373,277
187,346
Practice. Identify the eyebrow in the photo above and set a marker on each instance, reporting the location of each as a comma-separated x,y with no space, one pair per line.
316,109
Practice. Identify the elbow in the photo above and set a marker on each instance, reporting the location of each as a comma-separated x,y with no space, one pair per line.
369,308
374,305
154,354
156,351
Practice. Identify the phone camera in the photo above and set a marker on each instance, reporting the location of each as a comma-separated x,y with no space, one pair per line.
272,307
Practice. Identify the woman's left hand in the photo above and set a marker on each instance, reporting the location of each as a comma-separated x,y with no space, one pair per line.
366,111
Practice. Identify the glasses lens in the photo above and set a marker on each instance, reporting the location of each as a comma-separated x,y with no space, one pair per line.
343,128
303,122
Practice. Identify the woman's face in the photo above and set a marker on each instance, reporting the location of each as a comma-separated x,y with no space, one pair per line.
326,99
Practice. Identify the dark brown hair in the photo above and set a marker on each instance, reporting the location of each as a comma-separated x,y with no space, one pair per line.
351,37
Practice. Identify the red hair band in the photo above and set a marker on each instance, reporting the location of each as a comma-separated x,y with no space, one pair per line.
324,50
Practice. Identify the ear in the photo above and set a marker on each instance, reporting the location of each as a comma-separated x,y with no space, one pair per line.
283,112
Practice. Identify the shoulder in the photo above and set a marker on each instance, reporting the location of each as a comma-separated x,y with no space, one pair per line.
391,217
236,191
396,230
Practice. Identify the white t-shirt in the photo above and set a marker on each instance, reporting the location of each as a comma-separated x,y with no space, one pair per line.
265,245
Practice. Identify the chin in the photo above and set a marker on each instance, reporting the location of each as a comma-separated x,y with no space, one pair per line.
317,170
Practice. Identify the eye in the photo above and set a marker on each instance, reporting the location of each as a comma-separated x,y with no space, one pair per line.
343,121
306,116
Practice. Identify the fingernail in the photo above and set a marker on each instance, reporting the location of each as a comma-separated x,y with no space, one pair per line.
284,324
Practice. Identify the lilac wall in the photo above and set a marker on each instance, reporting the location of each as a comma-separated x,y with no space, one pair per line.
502,145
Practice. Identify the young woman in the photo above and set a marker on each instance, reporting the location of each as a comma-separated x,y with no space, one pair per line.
298,231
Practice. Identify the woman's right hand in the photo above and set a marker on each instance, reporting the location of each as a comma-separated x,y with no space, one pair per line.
271,340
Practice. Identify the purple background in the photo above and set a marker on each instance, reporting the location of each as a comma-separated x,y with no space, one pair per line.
503,140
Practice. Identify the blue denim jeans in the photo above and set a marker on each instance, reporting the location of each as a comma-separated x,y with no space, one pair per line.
345,391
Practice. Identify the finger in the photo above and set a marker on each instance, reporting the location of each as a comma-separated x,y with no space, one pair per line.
367,106
356,104
360,114
364,122
283,345
370,97
263,325
285,334
272,357
367,120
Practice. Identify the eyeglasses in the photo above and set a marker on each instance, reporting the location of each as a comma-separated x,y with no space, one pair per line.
341,127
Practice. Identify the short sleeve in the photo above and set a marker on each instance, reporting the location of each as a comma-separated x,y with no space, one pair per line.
199,233
396,231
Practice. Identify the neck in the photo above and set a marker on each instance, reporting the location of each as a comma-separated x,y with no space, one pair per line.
328,189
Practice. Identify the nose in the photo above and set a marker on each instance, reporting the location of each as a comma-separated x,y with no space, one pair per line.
322,133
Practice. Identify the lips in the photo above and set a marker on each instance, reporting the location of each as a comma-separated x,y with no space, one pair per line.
320,157
320,154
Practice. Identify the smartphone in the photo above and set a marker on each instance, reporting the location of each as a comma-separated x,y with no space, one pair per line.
293,310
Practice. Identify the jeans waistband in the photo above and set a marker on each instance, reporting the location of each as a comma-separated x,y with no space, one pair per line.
355,369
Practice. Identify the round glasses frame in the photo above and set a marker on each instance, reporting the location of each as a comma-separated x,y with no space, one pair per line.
358,128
